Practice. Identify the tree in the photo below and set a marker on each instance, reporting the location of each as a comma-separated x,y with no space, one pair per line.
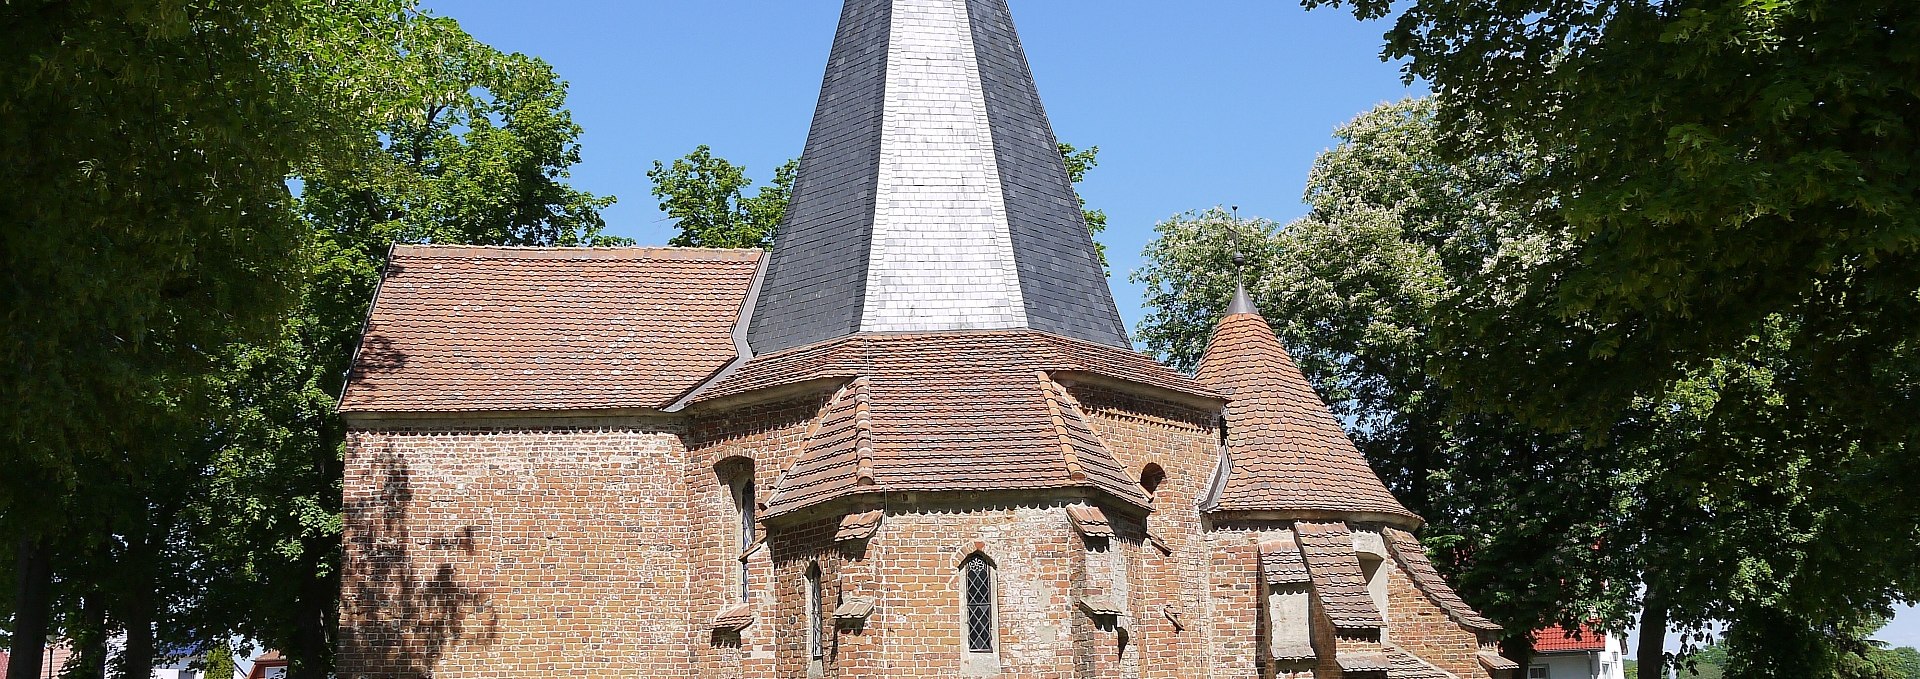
1078,163
1731,171
1354,290
146,221
1698,506
469,146
705,195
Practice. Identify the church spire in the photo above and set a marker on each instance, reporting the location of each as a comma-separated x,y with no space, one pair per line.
931,195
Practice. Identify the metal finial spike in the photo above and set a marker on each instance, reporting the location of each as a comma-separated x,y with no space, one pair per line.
1242,302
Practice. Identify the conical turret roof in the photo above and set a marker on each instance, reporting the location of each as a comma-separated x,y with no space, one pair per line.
932,195
1286,453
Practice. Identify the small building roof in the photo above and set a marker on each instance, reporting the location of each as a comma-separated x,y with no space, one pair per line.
1334,569
1584,639
458,329
1286,451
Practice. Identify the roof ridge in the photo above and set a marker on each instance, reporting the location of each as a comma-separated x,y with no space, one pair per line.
1054,411
432,250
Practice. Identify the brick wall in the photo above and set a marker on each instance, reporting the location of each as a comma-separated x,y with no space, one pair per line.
1184,442
767,437
608,546
556,548
1416,624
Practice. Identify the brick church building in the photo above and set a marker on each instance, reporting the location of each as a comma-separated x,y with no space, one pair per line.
912,440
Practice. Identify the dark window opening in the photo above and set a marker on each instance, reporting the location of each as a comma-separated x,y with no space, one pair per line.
1151,477
979,599
814,618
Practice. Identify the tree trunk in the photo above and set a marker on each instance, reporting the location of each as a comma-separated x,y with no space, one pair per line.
309,655
136,659
33,593
1652,650
90,651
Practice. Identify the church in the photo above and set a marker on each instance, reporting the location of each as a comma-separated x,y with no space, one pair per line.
912,440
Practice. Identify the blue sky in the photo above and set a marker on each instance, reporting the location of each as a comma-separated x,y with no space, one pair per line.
1192,104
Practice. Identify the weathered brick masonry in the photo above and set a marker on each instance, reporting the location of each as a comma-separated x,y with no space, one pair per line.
912,441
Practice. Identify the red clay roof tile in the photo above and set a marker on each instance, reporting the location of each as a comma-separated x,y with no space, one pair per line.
1334,568
1556,640
1090,521
968,411
1280,562
859,525
1287,451
474,328
1405,665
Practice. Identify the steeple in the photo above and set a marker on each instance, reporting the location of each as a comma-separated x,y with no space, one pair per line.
931,195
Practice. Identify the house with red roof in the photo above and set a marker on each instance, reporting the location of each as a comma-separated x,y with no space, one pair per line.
1583,653
912,440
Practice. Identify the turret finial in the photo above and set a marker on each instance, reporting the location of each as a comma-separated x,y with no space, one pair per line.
1242,303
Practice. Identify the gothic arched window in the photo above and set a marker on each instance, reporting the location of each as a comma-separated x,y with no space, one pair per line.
978,590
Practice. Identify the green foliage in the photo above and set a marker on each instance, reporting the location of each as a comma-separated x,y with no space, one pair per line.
706,196
1078,163
145,214
1737,186
471,146
1353,290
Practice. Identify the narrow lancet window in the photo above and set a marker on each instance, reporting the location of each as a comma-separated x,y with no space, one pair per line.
743,503
814,618
979,598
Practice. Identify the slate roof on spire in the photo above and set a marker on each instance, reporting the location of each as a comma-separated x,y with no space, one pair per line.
931,195
1287,453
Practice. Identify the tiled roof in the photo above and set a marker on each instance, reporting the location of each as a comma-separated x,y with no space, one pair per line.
734,618
477,328
1287,451
1100,605
854,608
1327,549
969,411
1090,521
859,525
1404,665
1495,662
1556,640
1280,561
1363,661
1413,558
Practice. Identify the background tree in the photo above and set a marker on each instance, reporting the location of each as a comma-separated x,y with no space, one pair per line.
1078,163
1677,508
705,196
145,220
469,146
1353,289
1733,172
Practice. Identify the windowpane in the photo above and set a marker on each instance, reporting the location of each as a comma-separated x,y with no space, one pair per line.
813,612
979,593
746,514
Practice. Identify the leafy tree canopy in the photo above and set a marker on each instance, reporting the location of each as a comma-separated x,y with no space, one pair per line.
706,196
